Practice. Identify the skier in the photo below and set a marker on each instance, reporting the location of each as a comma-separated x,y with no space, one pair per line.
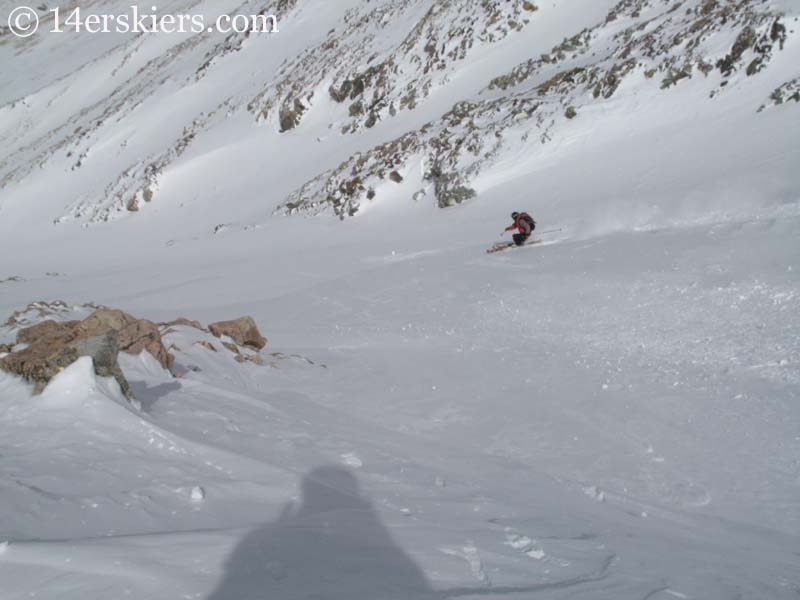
525,224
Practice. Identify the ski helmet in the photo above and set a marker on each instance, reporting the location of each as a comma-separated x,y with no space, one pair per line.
514,215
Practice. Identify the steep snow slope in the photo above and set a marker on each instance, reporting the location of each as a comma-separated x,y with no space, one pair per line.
607,418
451,96
156,96
609,414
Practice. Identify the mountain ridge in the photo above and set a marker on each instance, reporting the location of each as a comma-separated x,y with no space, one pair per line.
383,88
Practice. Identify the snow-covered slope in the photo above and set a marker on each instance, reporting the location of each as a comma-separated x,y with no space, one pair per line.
451,98
609,418
611,413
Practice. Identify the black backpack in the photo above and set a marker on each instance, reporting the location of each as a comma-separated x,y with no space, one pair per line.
528,219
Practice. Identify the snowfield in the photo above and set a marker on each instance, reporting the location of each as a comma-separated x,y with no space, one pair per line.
609,414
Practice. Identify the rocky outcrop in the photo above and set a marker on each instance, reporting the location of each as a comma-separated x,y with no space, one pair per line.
134,334
184,322
49,346
37,312
787,92
662,42
50,336
375,82
243,331
104,350
52,346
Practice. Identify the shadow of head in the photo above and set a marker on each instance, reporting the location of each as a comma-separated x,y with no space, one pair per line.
331,545
330,488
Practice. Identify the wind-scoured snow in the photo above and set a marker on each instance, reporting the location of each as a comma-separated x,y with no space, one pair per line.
611,413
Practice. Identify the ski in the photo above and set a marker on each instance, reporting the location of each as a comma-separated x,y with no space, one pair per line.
501,246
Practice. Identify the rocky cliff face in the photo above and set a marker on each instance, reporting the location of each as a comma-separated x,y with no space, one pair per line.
357,68
665,43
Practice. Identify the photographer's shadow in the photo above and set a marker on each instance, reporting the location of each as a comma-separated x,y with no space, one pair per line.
330,547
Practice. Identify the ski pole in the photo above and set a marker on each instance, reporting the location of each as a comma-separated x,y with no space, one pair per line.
550,231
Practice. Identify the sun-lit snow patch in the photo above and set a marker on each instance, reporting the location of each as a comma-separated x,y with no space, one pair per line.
351,459
73,386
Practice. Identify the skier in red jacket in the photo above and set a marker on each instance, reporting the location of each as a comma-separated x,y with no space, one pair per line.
525,224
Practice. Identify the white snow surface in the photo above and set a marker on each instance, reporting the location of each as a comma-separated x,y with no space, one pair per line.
610,414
